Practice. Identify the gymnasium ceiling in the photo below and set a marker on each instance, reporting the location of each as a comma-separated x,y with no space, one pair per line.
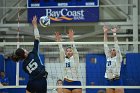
115,12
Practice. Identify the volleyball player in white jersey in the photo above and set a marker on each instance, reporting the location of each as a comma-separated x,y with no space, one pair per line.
70,59
113,64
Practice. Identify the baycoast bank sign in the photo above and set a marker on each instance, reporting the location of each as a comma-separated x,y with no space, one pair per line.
66,15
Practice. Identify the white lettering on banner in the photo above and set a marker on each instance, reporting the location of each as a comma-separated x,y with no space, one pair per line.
35,5
62,4
77,15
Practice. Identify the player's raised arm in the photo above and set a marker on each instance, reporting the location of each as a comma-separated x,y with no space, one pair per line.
62,52
106,48
36,34
105,29
117,48
36,31
71,37
114,30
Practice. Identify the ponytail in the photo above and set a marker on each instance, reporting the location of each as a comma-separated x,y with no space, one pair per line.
19,54
15,58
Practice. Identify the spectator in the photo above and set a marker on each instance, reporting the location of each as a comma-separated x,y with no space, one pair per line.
4,81
59,83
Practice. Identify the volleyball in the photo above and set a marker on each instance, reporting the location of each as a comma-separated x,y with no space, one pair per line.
44,21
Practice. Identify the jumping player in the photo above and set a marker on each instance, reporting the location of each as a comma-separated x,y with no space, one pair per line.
113,63
32,64
70,59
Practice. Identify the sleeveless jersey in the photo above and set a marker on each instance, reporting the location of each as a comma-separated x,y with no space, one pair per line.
71,69
113,65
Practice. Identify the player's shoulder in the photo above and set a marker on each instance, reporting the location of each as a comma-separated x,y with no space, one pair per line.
32,53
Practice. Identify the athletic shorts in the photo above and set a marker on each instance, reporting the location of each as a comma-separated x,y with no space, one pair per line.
114,82
37,85
71,83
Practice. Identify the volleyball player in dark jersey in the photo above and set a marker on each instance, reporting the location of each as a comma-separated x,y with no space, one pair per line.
32,64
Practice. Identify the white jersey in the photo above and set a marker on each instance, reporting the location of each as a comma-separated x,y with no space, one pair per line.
71,69
113,65
70,64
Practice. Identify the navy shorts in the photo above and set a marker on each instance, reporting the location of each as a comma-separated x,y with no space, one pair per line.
37,85
72,83
114,82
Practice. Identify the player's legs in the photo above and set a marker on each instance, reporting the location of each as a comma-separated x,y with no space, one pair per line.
110,83
109,90
66,91
27,91
41,86
116,82
72,83
29,87
119,90
37,86
77,91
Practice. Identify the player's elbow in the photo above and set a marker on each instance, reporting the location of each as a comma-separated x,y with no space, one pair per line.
37,37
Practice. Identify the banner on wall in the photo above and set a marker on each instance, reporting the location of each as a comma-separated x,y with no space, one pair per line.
66,15
62,3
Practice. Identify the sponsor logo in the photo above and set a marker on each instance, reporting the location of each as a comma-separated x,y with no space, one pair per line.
65,14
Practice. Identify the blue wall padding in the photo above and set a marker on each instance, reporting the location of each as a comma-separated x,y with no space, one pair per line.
10,70
1,62
132,72
95,71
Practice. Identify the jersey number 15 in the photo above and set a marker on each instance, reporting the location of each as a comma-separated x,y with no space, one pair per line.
32,66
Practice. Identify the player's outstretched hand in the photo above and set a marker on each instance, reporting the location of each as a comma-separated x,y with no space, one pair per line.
114,29
105,28
58,36
71,34
34,21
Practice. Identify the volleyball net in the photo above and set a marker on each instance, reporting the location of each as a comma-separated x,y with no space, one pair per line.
91,69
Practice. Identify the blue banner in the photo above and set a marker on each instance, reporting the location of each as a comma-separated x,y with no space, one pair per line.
62,3
66,15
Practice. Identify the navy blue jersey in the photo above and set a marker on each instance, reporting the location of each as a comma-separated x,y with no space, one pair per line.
33,64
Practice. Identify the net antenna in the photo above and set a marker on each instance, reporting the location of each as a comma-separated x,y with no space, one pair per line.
18,45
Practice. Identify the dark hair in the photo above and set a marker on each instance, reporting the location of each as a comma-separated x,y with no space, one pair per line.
19,54
58,81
